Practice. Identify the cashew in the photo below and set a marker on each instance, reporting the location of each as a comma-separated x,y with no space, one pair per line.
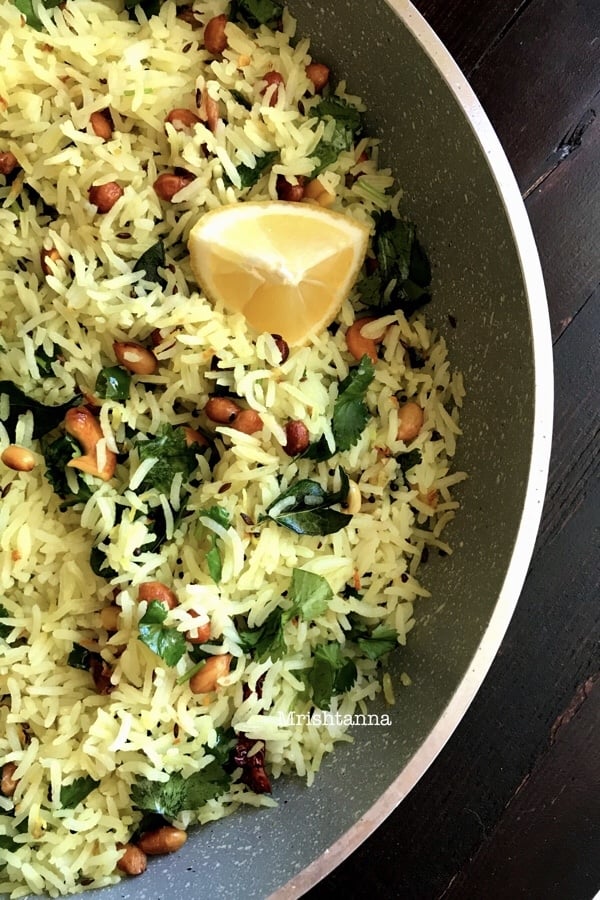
410,421
135,358
18,458
206,679
167,839
81,424
357,344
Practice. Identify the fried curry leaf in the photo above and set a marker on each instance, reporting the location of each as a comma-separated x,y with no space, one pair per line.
172,454
72,794
5,630
151,261
331,673
168,643
171,797
304,507
256,12
350,412
45,418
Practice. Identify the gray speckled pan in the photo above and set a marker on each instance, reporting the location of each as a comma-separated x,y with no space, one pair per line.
461,192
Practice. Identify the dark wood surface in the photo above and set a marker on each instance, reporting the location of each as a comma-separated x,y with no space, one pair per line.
511,807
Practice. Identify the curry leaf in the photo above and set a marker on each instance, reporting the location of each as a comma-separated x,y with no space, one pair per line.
304,507
72,794
151,261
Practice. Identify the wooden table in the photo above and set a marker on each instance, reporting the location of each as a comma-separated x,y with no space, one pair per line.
511,808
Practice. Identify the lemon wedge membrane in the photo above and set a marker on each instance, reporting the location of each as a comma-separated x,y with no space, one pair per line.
287,267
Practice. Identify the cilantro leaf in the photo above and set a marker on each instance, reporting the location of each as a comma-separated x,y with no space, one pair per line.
45,418
169,798
44,360
152,260
331,673
150,7
256,12
99,565
378,642
304,507
350,412
248,175
170,449
213,556
168,643
310,595
56,456
7,843
72,794
26,7
5,630
267,640
339,136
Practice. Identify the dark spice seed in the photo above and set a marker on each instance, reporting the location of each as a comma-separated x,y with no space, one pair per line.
452,320
404,578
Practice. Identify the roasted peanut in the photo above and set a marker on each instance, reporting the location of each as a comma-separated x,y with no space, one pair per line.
354,499
206,679
208,110
168,184
18,458
292,193
318,74
182,119
222,410
104,196
247,421
194,437
282,346
272,78
81,424
102,125
109,618
215,39
297,438
318,193
8,163
359,345
8,784
156,590
410,421
188,15
135,358
133,860
50,254
198,635
102,674
159,335
166,839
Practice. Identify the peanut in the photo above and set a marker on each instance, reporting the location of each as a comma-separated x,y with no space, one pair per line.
102,125
45,255
168,184
318,74
8,783
156,590
166,839
198,635
247,421
135,358
297,438
8,163
208,110
188,15
81,424
292,193
282,346
215,39
109,617
206,679
359,345
18,458
272,78
182,119
133,860
104,196
222,410
194,437
410,421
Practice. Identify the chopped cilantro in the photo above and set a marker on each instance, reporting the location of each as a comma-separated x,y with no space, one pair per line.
7,843
173,455
72,794
256,12
168,643
213,557
350,413
44,360
45,418
169,798
304,507
26,7
331,673
344,126
250,175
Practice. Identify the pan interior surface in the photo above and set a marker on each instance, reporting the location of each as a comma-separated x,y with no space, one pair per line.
480,304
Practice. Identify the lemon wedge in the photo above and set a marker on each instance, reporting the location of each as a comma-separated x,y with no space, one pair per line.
287,267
